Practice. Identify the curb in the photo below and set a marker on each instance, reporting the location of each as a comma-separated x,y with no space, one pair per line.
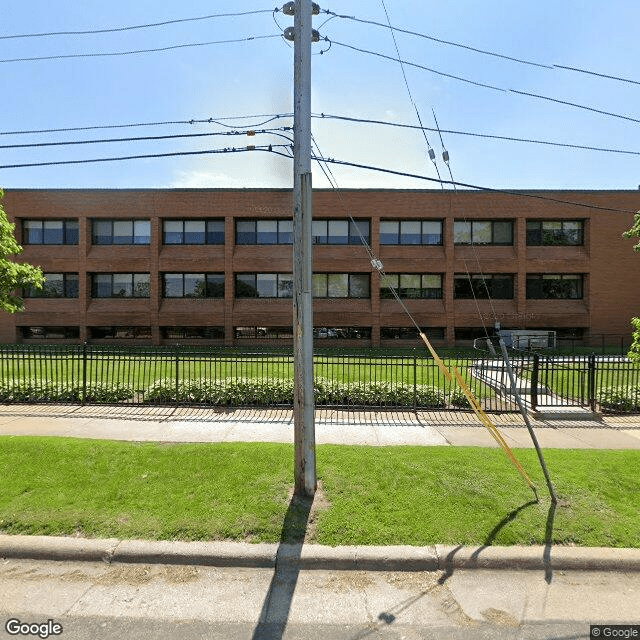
307,557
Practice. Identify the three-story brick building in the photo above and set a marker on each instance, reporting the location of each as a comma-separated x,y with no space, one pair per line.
214,266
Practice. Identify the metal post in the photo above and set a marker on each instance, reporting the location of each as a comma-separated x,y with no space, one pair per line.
523,411
303,401
535,375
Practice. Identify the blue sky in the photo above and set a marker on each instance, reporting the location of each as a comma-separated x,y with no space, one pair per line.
255,77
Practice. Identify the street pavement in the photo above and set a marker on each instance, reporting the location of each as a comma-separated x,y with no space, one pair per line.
142,589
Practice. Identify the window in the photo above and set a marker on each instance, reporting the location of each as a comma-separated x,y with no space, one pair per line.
555,286
555,232
339,231
121,232
496,232
264,332
50,231
120,285
56,285
119,333
498,286
264,285
264,232
412,285
411,333
191,333
193,285
49,333
469,333
346,333
193,231
341,285
411,232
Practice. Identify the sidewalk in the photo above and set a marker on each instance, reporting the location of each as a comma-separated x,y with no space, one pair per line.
376,428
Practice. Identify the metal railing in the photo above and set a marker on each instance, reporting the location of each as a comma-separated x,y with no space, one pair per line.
94,374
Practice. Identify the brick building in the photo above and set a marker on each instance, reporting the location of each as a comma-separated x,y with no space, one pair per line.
214,266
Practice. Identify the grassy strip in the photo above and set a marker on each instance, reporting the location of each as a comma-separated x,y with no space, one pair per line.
377,495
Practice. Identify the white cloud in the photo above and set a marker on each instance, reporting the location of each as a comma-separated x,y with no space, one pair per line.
204,180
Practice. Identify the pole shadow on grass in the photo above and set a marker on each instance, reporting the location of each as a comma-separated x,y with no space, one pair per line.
512,515
277,603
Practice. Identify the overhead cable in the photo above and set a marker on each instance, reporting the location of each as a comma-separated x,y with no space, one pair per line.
519,194
137,51
483,51
487,86
330,116
216,120
147,138
268,148
132,27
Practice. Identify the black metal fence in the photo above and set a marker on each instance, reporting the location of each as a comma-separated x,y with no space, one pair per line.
94,374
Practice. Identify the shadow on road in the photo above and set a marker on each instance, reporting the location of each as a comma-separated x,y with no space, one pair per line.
277,604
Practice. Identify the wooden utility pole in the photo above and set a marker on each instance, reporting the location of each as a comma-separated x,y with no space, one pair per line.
303,401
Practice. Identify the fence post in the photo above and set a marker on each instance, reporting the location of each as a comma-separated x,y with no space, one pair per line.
591,382
177,359
415,382
535,375
84,372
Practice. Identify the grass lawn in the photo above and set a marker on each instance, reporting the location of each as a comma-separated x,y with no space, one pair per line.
374,495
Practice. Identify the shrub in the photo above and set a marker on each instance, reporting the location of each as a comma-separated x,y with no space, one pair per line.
261,392
459,399
33,390
620,399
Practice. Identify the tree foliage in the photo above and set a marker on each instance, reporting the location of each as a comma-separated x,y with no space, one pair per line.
13,275
634,352
634,232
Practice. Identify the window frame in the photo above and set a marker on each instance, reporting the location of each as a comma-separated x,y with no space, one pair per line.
492,242
134,285
352,236
208,233
70,231
399,289
135,239
540,242
67,287
283,235
209,279
556,277
283,277
350,288
481,293
423,234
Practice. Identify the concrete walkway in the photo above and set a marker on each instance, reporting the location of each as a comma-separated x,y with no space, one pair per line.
180,424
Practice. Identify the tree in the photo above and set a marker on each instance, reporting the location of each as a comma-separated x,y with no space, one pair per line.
634,351
634,232
14,275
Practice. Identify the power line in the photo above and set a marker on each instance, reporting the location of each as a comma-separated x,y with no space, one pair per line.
519,194
486,86
216,120
483,51
439,40
132,27
477,135
137,51
147,138
268,148
418,66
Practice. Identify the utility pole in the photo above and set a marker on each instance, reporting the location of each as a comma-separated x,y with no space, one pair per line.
303,401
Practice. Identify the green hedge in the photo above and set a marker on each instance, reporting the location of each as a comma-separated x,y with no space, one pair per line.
48,391
620,399
260,392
